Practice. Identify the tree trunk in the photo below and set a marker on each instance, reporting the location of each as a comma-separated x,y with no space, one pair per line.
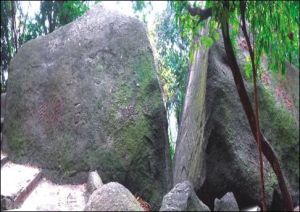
13,24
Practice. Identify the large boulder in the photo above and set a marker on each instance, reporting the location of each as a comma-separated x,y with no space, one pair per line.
112,197
182,198
87,97
216,150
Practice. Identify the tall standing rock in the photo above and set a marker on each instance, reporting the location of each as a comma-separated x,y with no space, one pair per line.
188,159
87,97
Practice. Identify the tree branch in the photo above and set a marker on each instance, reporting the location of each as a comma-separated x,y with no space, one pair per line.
202,13
244,29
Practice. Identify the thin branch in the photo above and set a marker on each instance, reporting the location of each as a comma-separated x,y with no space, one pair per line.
261,164
13,24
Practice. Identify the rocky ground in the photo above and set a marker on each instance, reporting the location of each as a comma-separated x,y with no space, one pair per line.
23,188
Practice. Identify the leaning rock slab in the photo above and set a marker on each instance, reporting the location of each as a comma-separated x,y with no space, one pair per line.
182,198
86,97
226,203
112,197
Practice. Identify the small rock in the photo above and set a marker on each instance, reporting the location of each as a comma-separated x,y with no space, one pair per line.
112,197
182,198
6,203
226,203
94,182
296,208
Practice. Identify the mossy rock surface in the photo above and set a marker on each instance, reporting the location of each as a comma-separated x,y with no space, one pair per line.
86,97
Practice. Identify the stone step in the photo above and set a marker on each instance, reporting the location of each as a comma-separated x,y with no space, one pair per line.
17,181
48,196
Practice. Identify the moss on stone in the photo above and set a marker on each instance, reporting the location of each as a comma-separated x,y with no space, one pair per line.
111,170
61,155
123,95
270,182
281,129
143,67
126,143
16,140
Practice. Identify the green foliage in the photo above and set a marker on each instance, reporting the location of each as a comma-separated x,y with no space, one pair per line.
173,64
248,68
7,48
138,5
59,13
70,11
275,28
142,9
206,41
32,31
189,25
172,149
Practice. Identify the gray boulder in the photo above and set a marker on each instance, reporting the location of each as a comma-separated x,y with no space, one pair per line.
226,203
94,182
86,97
182,198
112,197
215,148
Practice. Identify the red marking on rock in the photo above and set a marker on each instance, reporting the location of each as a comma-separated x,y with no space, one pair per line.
50,113
145,205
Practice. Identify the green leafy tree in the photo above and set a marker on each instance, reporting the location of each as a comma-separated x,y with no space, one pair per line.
9,36
70,10
173,51
55,13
